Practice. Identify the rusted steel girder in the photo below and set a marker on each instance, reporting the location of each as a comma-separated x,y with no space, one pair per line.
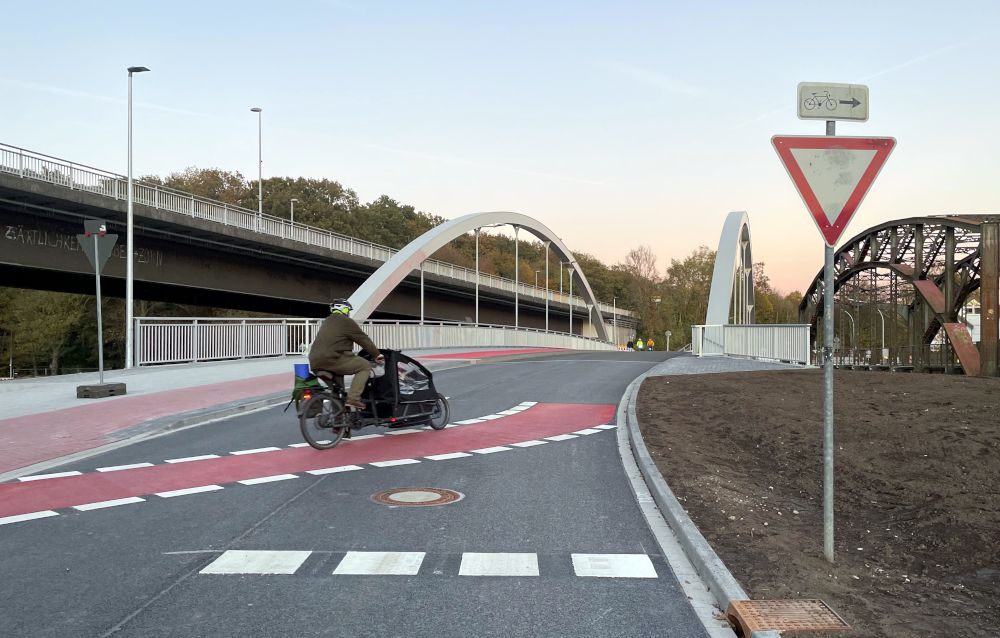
940,259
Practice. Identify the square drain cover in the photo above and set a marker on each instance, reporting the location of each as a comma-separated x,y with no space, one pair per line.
784,615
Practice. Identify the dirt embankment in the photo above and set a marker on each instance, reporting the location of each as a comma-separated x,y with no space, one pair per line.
917,467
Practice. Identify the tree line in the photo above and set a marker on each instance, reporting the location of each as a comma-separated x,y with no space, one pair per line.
45,332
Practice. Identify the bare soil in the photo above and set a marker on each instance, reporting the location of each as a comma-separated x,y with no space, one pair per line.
917,479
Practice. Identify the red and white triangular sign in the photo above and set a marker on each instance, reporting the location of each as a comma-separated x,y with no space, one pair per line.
833,174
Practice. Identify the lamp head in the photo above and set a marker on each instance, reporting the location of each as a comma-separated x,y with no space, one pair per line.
137,69
256,109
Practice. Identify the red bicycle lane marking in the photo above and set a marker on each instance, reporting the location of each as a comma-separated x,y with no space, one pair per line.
544,419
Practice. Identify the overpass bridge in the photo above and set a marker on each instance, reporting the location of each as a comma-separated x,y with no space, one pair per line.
197,251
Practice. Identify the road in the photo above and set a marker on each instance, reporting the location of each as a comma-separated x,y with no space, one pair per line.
563,507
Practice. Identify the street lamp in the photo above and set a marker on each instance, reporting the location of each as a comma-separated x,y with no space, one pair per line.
293,209
129,245
536,278
260,167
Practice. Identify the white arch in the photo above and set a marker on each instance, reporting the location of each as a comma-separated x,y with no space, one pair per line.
377,287
732,278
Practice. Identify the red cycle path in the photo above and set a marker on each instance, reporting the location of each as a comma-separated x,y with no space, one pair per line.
542,420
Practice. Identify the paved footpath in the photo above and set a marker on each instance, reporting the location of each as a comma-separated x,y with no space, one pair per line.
232,529
41,419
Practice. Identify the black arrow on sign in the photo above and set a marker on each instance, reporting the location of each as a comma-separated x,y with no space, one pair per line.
853,102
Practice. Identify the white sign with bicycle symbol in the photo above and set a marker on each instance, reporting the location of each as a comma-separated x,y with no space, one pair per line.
818,101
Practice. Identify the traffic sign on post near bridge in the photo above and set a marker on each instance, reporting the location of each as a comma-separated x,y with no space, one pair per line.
832,175
823,101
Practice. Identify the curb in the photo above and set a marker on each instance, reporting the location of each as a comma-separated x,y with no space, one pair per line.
706,562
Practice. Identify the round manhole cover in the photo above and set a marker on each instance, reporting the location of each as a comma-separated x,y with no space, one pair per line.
416,496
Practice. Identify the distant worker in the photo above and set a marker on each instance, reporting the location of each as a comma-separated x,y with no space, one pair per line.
638,344
650,344
332,351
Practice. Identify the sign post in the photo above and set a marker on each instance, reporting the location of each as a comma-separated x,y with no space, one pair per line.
97,244
833,175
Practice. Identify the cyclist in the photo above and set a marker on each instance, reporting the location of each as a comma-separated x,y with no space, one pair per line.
332,351
638,344
650,344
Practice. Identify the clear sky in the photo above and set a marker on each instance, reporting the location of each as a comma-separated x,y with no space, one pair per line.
613,123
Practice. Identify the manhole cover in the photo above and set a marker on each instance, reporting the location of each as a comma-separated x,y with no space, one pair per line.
785,615
416,496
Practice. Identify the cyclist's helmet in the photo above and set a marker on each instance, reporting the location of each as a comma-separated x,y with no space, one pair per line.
342,306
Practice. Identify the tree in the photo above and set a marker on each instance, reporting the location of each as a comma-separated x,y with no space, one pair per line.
685,293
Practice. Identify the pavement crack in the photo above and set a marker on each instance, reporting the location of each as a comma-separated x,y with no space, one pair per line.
203,563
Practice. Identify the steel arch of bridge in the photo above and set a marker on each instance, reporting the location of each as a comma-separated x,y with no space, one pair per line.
732,276
382,282
938,261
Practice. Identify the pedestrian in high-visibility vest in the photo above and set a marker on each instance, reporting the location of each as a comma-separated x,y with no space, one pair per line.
638,344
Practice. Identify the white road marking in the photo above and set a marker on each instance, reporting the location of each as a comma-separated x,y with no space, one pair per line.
113,503
203,457
39,477
528,404
190,490
490,417
404,431
587,431
115,468
382,563
508,412
256,562
396,462
498,565
561,437
491,450
614,565
256,451
268,479
27,517
445,457
528,443
466,422
332,470
606,426
363,437
299,445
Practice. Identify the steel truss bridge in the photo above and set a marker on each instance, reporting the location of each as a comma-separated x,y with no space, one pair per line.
899,292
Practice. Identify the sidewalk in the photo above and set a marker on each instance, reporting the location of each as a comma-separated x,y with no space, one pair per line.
41,419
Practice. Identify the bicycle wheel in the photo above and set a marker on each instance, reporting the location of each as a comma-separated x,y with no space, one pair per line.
323,421
810,103
441,414
831,104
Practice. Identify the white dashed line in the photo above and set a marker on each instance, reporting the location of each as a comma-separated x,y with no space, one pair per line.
466,422
508,412
561,437
256,451
381,563
528,404
39,477
490,417
606,426
187,459
498,565
527,443
256,562
395,462
363,437
587,431
613,565
113,503
299,445
445,457
269,479
6,520
333,470
190,490
491,450
115,468
404,431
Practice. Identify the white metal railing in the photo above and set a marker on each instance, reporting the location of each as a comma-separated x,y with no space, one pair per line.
162,340
772,342
31,165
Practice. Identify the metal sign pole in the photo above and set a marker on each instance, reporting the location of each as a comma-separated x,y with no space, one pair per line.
100,330
828,392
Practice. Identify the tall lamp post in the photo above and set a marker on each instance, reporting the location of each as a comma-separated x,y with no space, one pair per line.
129,245
260,167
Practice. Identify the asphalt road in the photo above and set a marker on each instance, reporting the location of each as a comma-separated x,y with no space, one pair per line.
134,569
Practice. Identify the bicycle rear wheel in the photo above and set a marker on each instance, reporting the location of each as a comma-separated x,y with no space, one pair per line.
441,414
323,421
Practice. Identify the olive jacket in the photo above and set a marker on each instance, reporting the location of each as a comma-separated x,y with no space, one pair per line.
337,337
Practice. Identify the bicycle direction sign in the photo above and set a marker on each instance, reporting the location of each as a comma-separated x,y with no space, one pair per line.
833,175
820,101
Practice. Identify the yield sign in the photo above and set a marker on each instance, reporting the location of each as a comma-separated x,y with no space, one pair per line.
833,174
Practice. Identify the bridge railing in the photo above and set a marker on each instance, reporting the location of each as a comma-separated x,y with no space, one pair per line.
161,340
31,165
770,342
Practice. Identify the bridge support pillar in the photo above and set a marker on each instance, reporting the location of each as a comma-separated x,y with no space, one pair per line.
989,251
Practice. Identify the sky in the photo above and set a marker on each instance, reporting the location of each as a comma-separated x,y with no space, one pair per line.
615,124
